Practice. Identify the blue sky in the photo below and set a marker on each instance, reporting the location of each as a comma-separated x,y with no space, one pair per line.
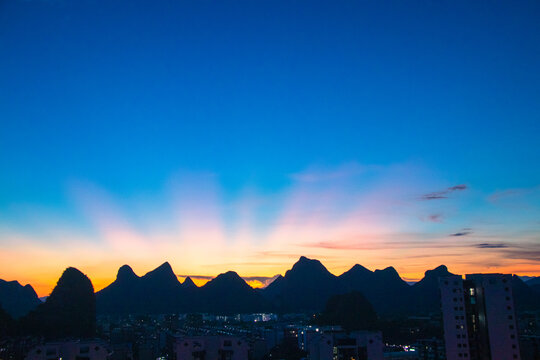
128,97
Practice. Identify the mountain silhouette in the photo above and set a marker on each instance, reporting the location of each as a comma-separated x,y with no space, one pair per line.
17,300
380,287
425,297
534,284
163,292
304,288
228,293
188,284
125,274
122,295
158,291
70,310
273,288
162,275
526,298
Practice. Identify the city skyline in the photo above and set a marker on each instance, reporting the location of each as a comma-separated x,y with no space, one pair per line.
243,135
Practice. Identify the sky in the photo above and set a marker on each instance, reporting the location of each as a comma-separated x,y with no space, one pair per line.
240,135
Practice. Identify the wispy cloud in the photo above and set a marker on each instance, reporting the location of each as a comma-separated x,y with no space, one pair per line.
443,194
435,218
531,253
491,246
389,241
461,233
513,194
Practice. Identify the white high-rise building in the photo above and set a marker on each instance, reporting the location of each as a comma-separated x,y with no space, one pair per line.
479,317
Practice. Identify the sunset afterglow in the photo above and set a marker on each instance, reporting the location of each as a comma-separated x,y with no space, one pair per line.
400,215
220,136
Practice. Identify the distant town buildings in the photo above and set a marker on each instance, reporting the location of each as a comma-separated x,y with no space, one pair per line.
430,349
479,317
210,347
333,343
70,350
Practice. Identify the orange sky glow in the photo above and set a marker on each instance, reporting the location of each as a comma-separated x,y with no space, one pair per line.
321,215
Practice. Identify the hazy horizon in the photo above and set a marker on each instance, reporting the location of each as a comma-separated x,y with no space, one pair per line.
253,280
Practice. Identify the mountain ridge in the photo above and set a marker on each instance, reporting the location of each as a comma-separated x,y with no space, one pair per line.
305,287
70,310
17,300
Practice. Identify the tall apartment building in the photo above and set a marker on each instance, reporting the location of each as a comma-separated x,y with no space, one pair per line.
479,317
